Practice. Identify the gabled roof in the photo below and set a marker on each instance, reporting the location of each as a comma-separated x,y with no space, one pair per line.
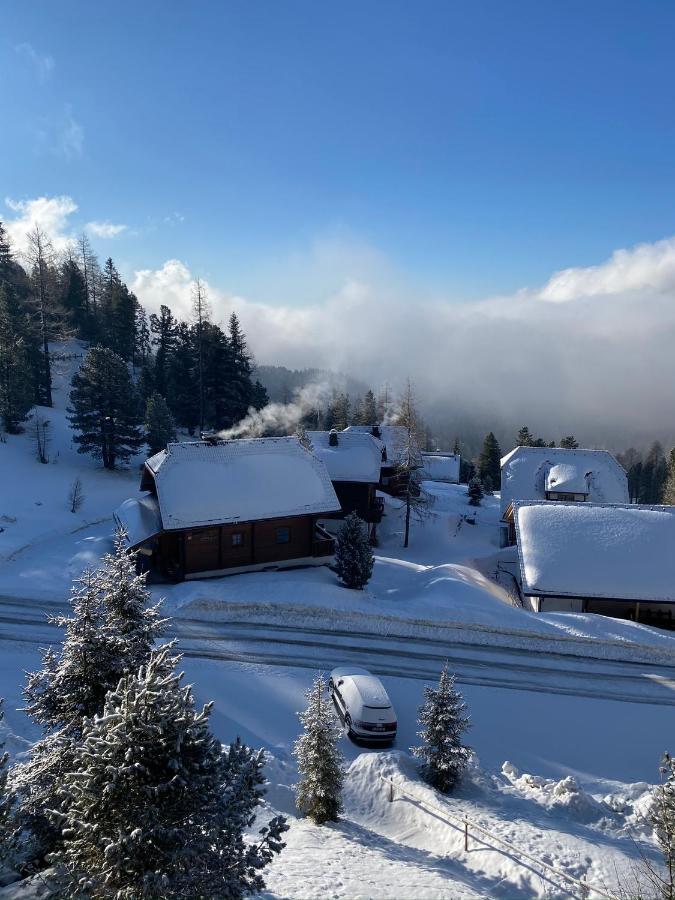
393,438
441,467
139,519
199,483
357,456
594,550
526,472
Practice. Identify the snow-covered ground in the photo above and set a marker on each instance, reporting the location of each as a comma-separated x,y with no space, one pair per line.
556,695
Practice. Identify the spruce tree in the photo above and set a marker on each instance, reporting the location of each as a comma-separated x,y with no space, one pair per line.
105,408
663,818
524,438
369,409
163,328
475,492
653,475
489,462
569,442
669,486
320,762
259,397
73,296
154,806
183,387
353,555
443,720
160,428
16,376
7,824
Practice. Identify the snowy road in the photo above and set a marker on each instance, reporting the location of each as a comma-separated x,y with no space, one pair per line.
301,646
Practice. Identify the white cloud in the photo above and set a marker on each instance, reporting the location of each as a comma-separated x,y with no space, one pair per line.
50,213
43,62
577,366
105,229
647,267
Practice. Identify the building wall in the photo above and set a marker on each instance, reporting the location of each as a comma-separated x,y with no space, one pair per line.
354,497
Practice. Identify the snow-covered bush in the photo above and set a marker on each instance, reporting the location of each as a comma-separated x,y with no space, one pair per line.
664,824
353,555
443,720
320,762
154,806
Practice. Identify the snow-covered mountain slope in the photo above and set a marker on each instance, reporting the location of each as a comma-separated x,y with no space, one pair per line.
557,695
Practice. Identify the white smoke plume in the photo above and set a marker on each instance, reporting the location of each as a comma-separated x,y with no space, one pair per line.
280,418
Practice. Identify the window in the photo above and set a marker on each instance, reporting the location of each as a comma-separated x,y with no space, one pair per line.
283,535
238,539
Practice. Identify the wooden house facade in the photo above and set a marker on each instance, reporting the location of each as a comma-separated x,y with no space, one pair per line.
218,508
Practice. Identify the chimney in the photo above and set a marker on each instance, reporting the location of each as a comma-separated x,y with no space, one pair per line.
375,431
333,438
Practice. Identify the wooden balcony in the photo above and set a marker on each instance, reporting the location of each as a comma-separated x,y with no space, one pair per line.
323,544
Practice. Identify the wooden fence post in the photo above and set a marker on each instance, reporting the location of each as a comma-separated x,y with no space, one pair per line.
466,836
391,791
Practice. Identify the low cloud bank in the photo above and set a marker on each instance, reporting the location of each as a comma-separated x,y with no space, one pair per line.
591,352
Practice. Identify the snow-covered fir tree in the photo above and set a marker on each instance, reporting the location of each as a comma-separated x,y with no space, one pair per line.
7,825
160,427
320,762
353,555
109,633
443,721
154,805
475,492
663,817
131,623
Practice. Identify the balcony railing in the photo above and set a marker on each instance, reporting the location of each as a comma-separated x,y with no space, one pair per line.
323,543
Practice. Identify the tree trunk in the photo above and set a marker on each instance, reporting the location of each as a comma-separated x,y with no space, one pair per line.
407,517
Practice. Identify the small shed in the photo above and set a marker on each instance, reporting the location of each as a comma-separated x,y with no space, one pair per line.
353,460
615,559
212,508
444,467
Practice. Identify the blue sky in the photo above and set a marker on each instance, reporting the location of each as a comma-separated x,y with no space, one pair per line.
477,147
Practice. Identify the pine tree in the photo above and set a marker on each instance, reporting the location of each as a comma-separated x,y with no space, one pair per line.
73,296
201,313
524,438
160,428
154,806
259,397
369,410
105,408
341,414
240,386
475,492
320,762
408,467
163,327
663,818
653,475
669,487
489,462
183,389
7,824
569,442
16,376
110,633
443,720
353,556
456,449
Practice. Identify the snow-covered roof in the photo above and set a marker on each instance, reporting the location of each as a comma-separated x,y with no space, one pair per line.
566,478
526,474
240,481
357,456
140,519
441,467
607,551
393,438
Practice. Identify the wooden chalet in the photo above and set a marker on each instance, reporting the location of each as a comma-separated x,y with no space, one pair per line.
613,559
353,460
392,441
215,508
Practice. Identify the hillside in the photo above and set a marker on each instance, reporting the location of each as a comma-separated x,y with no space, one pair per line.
570,713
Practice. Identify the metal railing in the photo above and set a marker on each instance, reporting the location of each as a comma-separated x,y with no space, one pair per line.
466,826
